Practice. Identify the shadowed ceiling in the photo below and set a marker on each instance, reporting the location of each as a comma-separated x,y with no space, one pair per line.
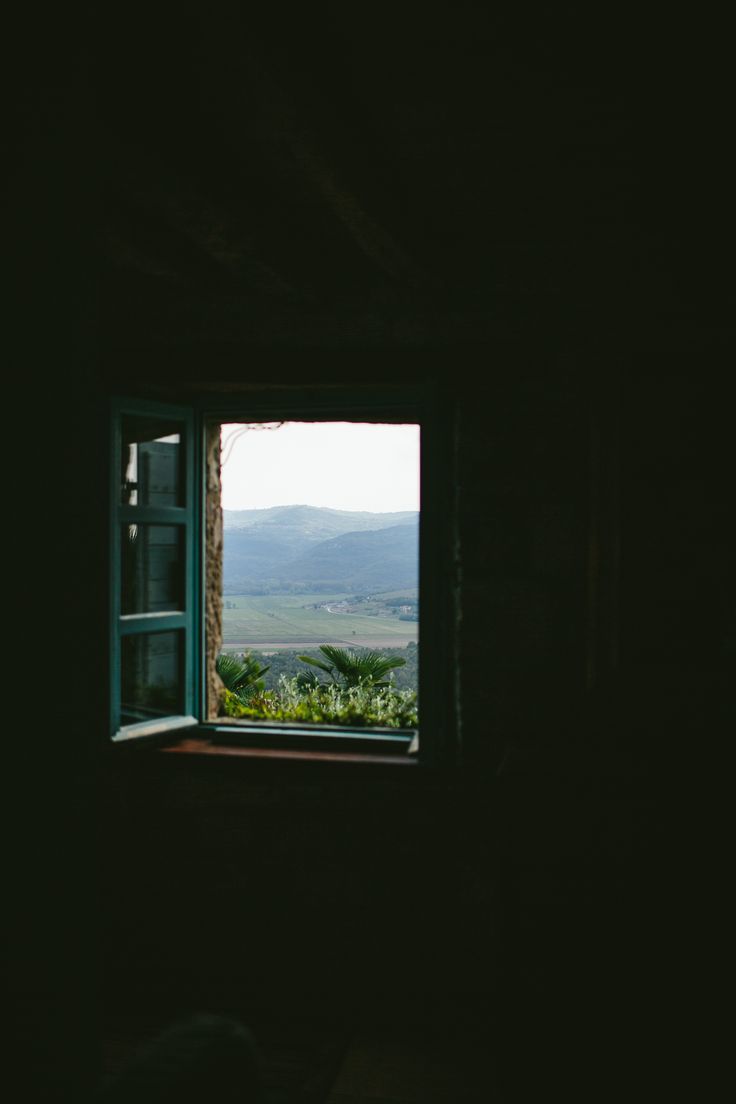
405,174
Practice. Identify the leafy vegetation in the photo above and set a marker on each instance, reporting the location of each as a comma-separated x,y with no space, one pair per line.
357,695
363,705
242,678
286,661
354,668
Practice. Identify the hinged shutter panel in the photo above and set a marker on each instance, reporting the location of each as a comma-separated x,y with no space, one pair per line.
154,524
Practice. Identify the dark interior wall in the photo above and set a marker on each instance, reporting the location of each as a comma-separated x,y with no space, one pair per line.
587,338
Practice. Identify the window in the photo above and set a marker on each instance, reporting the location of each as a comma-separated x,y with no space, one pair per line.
164,592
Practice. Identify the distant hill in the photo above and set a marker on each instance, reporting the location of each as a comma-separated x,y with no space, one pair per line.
302,548
379,559
318,522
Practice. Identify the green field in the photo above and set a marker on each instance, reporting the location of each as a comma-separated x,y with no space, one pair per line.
290,620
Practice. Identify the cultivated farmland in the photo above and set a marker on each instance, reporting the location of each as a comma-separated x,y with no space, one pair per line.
295,620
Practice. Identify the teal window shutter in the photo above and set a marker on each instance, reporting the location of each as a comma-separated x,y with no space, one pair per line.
155,569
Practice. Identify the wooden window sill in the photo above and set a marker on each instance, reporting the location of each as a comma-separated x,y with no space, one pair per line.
202,746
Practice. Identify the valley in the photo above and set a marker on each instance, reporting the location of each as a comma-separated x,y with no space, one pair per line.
276,621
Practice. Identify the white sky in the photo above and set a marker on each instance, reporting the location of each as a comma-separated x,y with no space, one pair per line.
345,465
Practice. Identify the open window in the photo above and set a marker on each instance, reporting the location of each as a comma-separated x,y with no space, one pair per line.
320,581
178,605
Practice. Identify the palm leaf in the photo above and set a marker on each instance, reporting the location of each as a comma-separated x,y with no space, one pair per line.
316,663
355,667
341,659
241,677
307,680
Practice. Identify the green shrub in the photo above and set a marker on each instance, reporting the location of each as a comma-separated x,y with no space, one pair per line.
364,705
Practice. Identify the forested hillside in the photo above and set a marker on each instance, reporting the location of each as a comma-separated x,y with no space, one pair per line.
292,549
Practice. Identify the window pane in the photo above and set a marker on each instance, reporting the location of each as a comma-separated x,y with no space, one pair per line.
151,462
151,682
152,558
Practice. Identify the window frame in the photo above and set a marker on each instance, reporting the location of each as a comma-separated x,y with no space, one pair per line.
427,405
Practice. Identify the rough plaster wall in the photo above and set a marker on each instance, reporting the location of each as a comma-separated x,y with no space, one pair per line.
213,551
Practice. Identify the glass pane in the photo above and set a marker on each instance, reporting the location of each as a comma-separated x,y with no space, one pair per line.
151,682
151,462
152,559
